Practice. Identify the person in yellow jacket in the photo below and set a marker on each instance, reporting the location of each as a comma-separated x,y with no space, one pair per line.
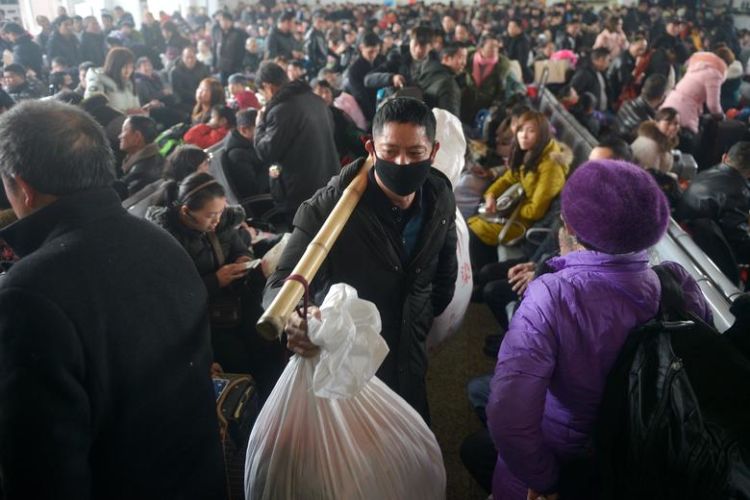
540,164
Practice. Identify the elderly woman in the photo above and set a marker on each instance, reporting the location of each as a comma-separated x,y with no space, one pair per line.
567,333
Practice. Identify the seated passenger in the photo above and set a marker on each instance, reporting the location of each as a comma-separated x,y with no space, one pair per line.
656,140
210,93
205,135
539,164
143,163
243,168
721,194
242,98
198,217
566,335
16,85
185,160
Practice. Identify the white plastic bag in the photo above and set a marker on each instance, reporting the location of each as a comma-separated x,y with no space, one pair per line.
450,161
362,441
449,321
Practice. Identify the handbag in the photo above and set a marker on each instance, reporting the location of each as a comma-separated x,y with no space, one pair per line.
509,200
506,213
224,311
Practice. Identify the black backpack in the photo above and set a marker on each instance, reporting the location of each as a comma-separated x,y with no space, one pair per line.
675,416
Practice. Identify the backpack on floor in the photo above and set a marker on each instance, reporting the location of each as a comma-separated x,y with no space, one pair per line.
675,418
168,140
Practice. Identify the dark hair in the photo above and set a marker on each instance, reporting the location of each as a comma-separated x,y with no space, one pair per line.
141,60
485,38
654,87
171,28
185,192
612,23
669,114
145,125
117,58
530,159
6,102
57,80
13,29
226,15
370,39
86,65
422,34
271,73
69,97
726,54
183,161
620,149
599,52
57,148
739,155
226,113
15,68
287,15
450,50
60,60
247,117
404,110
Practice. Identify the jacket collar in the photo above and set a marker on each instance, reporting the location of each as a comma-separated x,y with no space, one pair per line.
147,152
589,258
67,213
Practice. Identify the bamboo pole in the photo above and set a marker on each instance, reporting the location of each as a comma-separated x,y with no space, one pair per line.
271,324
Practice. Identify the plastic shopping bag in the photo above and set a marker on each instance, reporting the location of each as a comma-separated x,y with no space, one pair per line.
332,430
449,322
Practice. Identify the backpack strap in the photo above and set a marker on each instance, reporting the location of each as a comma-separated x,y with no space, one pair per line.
672,302
216,247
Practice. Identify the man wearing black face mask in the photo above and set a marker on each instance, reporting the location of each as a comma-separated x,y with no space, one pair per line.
398,248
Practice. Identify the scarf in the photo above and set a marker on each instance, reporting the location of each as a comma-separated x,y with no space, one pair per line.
147,152
482,68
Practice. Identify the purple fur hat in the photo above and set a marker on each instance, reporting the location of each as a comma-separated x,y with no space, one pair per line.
614,207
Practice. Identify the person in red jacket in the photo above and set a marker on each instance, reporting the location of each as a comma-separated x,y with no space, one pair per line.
205,135
242,98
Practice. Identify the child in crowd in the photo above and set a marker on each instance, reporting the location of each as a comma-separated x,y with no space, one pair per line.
205,135
242,98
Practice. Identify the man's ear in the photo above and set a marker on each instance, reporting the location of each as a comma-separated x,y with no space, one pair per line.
26,193
370,147
435,149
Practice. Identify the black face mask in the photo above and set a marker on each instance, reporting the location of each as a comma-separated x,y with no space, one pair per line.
402,179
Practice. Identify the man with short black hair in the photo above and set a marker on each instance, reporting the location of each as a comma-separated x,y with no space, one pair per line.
295,137
316,47
281,42
103,326
722,195
403,70
185,76
16,84
620,74
438,79
354,76
518,47
643,108
26,52
612,148
590,77
242,166
143,163
229,48
398,248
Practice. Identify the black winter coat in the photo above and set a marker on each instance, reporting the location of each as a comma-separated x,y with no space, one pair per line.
229,51
620,73
282,44
365,257
722,195
185,82
585,80
296,133
28,54
93,48
518,48
104,360
197,244
354,84
243,168
316,49
440,88
64,46
141,169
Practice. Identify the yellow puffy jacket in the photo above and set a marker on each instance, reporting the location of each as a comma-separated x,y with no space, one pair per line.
540,188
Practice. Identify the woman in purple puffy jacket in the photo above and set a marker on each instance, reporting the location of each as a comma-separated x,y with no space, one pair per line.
567,333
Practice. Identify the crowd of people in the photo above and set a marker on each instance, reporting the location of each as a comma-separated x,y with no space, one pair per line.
97,114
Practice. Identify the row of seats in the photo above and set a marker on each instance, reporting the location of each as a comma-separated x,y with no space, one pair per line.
677,245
